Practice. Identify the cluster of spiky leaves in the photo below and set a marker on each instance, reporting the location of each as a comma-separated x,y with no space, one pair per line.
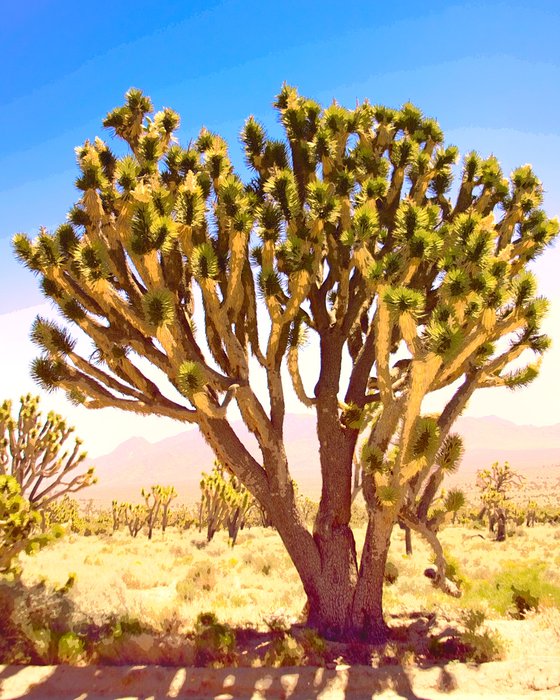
347,229
19,527
36,451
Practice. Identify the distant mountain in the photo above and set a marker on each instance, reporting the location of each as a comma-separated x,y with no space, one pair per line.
181,459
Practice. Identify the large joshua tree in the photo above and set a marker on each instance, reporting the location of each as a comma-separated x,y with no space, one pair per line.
346,232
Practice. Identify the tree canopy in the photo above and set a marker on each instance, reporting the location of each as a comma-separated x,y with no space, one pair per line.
358,228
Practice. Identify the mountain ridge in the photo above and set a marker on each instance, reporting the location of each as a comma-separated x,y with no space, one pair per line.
180,459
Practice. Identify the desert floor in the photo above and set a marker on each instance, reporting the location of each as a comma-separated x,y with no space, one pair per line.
165,583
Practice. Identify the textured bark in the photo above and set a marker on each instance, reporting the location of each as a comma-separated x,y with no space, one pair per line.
408,541
367,612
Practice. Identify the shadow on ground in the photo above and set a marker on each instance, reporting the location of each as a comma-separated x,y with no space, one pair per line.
96,682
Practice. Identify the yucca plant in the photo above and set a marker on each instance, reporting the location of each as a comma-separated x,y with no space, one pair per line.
347,230
495,486
37,451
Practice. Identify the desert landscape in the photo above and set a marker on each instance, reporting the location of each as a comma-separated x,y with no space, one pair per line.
91,600
279,350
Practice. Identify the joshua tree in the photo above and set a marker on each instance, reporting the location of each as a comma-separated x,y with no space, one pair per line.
495,484
166,494
531,514
118,513
346,233
135,517
224,501
35,452
157,498
18,526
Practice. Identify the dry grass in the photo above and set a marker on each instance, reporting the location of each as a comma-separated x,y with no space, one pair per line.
170,581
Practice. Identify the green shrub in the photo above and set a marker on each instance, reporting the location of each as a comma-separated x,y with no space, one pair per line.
517,588
215,642
524,601
46,618
475,643
315,647
482,645
285,651
391,573
277,623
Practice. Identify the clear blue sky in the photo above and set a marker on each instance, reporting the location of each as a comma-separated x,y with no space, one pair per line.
488,71
477,67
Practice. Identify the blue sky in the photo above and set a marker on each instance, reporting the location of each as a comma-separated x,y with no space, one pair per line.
489,72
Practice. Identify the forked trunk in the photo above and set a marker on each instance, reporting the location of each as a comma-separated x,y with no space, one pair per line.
344,600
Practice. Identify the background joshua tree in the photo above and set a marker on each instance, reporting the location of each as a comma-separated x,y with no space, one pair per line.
495,485
224,502
346,233
37,454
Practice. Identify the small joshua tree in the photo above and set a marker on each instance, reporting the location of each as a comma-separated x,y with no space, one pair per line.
495,485
157,499
349,230
224,502
167,495
36,453
531,513
118,513
135,517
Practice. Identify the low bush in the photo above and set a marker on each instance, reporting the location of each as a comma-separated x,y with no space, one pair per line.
482,645
285,650
391,573
214,641
517,588
201,578
475,642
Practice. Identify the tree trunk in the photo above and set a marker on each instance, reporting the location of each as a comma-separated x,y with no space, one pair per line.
331,595
345,603
408,540
501,530
368,621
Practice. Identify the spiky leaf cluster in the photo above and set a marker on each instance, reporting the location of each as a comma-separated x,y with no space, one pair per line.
348,230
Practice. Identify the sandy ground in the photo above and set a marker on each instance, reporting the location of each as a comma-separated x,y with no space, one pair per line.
531,670
457,681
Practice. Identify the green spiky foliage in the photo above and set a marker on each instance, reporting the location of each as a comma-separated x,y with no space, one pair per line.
36,451
19,527
495,485
347,231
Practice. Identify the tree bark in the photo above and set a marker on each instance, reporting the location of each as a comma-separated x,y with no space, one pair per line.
501,529
408,540
368,622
